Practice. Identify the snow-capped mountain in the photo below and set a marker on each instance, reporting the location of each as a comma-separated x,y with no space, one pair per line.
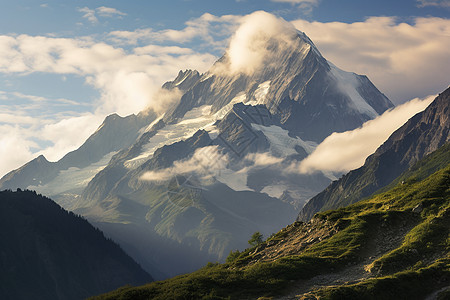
215,167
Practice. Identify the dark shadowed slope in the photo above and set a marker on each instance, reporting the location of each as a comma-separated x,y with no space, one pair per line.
49,253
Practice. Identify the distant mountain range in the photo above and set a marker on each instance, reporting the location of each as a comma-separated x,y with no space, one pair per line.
187,187
50,253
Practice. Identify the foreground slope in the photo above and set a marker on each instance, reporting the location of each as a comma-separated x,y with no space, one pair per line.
421,135
49,253
394,245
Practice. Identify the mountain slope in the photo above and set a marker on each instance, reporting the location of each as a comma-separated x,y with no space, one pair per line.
394,245
68,176
421,135
49,253
235,130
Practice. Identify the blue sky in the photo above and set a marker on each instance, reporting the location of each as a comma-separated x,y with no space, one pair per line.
65,65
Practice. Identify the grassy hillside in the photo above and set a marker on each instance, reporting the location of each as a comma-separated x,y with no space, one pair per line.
394,245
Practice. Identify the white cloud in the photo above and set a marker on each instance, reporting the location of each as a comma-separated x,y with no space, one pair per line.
348,150
263,159
68,134
127,81
404,61
15,150
212,30
248,49
205,162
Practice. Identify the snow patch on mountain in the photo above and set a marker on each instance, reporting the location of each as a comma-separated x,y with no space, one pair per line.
241,97
348,84
275,190
235,180
281,144
192,121
73,178
260,93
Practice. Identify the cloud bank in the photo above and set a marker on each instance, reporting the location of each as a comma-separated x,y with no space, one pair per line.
342,152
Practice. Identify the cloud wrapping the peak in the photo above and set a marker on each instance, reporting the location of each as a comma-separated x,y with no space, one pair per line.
248,47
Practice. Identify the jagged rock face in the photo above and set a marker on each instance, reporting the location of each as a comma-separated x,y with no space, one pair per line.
184,81
421,135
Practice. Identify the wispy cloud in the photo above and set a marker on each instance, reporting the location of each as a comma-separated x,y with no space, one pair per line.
205,162
305,5
126,81
89,14
107,12
436,3
212,31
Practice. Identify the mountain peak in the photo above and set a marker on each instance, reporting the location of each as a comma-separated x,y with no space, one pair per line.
183,81
254,47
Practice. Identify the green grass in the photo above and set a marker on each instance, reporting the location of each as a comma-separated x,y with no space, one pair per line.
410,284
